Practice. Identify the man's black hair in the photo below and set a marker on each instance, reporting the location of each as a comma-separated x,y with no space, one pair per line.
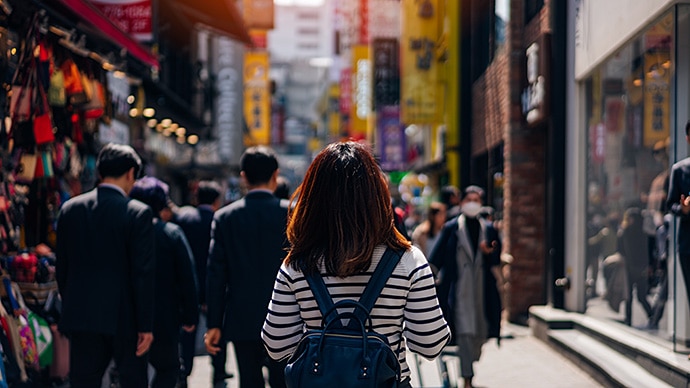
115,160
258,164
151,191
687,128
282,190
447,193
208,192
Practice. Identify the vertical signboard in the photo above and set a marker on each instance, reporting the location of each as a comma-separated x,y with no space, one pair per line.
391,139
132,16
419,84
363,21
384,19
345,100
334,130
257,98
657,96
259,38
362,89
227,121
258,14
386,76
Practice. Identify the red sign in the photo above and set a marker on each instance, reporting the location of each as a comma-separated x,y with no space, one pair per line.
259,38
345,91
364,21
597,142
132,16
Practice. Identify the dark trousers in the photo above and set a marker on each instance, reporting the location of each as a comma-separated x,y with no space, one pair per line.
685,268
188,347
251,357
164,357
90,354
641,281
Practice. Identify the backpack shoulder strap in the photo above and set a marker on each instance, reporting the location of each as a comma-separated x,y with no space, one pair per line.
384,269
321,294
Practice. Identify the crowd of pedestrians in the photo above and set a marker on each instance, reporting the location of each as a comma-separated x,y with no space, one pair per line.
142,281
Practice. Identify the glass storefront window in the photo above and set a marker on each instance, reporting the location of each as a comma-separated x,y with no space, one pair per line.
628,108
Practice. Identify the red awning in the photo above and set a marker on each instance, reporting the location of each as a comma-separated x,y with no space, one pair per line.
92,16
220,15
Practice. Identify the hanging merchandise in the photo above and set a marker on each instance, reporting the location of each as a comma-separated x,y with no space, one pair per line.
56,90
26,169
74,89
95,107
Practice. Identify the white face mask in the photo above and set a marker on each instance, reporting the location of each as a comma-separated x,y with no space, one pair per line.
471,209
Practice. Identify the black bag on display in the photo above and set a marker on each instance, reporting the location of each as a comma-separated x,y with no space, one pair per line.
346,356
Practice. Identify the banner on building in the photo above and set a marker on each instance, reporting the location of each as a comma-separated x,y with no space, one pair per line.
259,38
361,90
391,139
597,143
657,95
386,72
384,19
257,98
227,123
258,14
420,94
363,22
131,16
334,130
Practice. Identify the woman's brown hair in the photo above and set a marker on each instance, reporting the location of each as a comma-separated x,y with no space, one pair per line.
342,212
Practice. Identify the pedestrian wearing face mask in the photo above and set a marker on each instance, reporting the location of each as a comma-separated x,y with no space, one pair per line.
467,261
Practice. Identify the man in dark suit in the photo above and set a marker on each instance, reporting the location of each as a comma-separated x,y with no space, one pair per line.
247,248
177,304
105,273
196,224
678,203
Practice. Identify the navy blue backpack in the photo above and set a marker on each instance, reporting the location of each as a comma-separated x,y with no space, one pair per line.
346,356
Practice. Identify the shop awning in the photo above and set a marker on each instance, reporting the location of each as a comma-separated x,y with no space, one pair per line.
220,15
91,16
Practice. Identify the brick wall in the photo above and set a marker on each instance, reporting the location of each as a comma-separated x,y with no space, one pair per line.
497,116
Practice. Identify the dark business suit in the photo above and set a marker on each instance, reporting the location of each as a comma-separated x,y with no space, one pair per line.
247,248
196,224
680,184
105,273
176,301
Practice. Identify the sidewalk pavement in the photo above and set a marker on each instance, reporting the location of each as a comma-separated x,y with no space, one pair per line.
521,361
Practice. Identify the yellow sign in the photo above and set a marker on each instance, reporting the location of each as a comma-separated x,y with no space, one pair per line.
361,90
257,98
333,111
419,92
657,107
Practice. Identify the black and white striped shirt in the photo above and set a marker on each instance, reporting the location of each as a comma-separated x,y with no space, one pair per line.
407,306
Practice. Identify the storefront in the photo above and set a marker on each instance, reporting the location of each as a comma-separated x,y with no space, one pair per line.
629,107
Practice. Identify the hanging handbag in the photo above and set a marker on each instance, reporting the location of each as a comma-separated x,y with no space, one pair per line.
43,337
11,345
95,107
26,168
27,339
74,89
21,128
43,124
56,89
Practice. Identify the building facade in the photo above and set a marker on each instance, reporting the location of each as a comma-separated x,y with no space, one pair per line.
512,139
628,107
